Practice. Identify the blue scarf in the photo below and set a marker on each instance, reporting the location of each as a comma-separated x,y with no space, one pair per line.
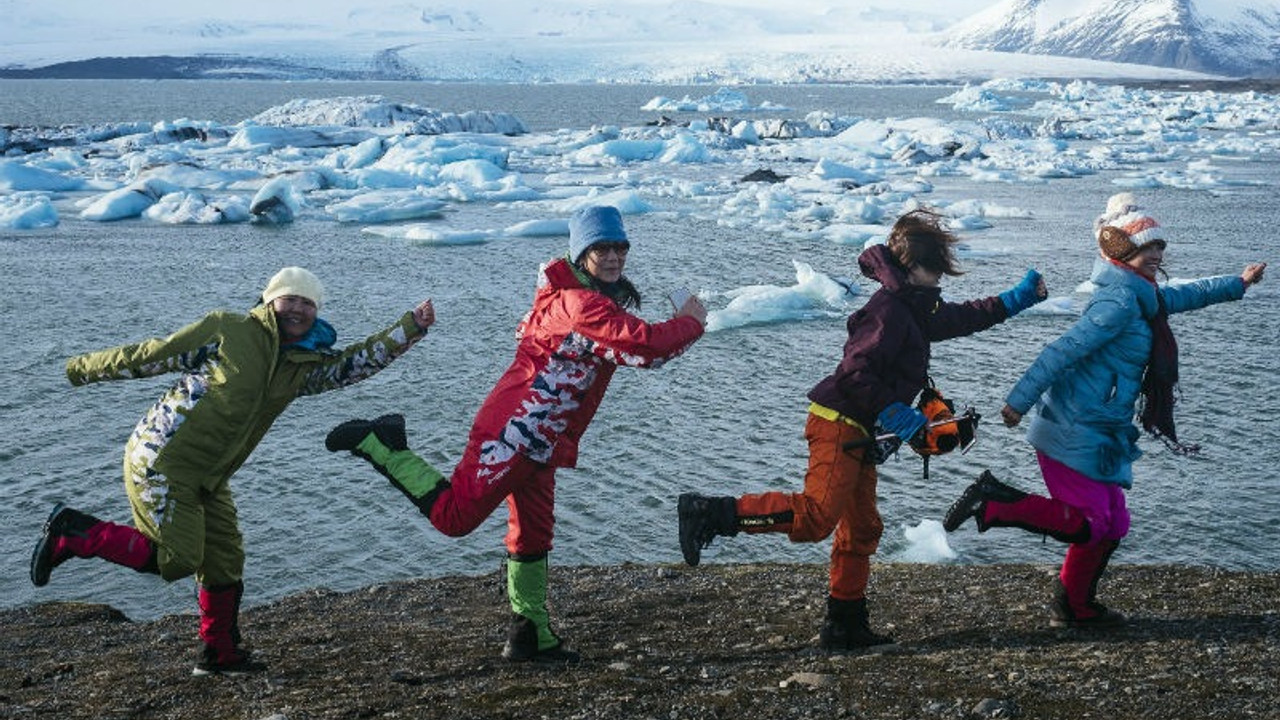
321,336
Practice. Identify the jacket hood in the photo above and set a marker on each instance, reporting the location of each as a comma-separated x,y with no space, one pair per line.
879,264
1109,274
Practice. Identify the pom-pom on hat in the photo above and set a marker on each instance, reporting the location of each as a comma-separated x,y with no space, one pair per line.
1124,228
294,281
594,224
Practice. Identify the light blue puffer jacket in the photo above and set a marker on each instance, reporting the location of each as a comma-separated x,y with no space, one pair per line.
1091,377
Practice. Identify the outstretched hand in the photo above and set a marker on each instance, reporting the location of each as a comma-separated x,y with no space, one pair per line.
1029,291
693,308
424,315
1252,274
1011,417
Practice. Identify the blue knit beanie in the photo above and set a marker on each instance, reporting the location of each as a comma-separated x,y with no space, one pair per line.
593,224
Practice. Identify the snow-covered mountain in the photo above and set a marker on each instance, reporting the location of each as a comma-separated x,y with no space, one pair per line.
573,41
1239,38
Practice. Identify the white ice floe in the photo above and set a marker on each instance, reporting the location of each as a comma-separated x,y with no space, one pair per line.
926,543
424,235
814,295
194,208
383,206
375,111
724,100
838,179
127,202
18,176
27,211
277,202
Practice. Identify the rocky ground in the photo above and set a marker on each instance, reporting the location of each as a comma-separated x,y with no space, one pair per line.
669,643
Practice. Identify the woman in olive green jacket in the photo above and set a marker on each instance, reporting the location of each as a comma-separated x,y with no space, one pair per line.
239,372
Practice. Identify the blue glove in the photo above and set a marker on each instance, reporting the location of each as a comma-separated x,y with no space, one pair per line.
901,420
1023,295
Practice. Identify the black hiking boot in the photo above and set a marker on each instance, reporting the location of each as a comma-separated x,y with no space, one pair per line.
389,429
50,549
702,518
847,627
973,501
236,663
522,646
1100,616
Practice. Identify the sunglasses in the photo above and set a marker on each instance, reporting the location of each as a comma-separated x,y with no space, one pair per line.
604,248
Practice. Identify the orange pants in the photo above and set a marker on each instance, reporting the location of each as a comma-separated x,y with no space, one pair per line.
839,494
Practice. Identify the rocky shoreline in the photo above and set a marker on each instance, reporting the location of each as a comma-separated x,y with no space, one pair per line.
670,642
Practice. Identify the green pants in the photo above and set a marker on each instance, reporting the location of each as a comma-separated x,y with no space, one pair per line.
196,530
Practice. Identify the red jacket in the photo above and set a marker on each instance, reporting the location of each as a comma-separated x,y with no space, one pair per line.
569,344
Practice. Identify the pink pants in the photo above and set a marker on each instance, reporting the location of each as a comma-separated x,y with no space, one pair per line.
1102,503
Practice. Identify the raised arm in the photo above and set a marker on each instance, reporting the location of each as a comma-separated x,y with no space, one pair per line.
185,349
363,360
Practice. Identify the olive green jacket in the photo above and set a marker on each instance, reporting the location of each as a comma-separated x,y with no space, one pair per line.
236,380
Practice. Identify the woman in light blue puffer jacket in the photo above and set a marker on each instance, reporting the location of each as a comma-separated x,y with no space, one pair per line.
1119,356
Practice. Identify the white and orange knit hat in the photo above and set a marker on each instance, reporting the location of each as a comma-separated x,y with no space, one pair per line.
1137,228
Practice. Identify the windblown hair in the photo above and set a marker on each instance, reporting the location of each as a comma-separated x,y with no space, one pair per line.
918,238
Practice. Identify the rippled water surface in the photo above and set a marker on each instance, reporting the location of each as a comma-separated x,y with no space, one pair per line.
725,418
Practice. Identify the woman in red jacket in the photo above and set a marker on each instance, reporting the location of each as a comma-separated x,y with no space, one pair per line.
569,344
884,367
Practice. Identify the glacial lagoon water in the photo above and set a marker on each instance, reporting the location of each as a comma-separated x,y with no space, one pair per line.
725,418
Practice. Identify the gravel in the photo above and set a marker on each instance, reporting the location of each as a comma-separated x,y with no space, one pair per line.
670,642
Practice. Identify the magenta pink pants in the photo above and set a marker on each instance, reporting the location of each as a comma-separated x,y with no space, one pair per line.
1102,503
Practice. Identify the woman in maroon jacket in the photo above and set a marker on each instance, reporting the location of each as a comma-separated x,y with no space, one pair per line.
885,365
577,333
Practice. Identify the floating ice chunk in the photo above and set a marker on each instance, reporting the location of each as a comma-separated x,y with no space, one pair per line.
386,206
830,170
428,236
980,99
192,208
375,111
477,173
685,148
968,222
722,100
985,209
628,202
277,202
539,228
618,151
814,295
252,137
27,211
746,132
359,155
15,176
185,173
127,202
926,543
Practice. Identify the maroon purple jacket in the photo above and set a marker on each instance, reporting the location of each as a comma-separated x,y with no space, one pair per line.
886,357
